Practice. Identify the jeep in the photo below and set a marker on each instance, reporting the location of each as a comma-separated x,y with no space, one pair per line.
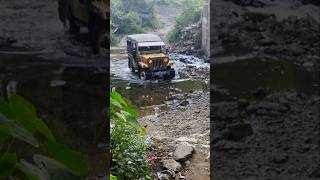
148,55
92,14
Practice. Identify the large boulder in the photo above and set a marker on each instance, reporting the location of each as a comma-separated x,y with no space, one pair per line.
182,152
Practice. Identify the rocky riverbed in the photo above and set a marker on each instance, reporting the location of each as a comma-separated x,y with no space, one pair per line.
181,138
276,137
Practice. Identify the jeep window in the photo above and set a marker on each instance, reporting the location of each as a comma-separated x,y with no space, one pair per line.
150,49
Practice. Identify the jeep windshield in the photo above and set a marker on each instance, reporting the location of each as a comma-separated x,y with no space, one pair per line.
150,49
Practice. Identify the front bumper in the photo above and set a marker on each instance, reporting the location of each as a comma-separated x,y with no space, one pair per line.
165,74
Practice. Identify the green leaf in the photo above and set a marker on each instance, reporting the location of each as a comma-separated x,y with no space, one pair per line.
32,171
116,96
5,109
131,110
7,164
18,131
70,158
115,103
4,134
56,169
26,115
113,177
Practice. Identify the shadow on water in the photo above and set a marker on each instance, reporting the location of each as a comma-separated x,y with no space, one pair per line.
242,78
69,99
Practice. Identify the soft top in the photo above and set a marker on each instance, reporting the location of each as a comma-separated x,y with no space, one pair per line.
145,38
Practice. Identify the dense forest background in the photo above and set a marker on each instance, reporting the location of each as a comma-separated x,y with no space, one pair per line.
139,17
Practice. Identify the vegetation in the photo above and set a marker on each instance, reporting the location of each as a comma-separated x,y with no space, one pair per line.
128,150
29,150
129,17
191,14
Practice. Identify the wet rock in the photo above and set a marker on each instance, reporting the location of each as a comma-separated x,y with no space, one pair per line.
6,42
260,92
279,157
182,152
184,103
315,173
165,175
225,110
56,83
171,165
238,131
242,103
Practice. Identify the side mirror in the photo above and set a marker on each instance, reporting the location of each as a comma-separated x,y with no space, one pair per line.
167,50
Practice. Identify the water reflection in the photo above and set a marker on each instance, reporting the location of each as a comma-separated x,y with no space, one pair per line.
74,110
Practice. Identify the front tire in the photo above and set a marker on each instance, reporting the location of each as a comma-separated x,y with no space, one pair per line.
74,28
130,65
144,74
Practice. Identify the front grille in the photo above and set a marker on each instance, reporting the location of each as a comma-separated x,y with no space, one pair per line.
157,64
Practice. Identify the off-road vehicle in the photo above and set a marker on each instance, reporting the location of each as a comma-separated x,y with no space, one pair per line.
92,14
148,55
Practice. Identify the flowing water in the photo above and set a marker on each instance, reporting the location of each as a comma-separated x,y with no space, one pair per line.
151,97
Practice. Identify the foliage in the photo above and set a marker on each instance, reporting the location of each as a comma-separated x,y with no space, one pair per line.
128,150
191,14
19,121
129,17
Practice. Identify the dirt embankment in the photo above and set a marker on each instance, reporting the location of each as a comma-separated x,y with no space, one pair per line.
273,29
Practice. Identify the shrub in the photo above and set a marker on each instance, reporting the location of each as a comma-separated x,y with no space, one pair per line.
130,17
128,150
191,14
20,125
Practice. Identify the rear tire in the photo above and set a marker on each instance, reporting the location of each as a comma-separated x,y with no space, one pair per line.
97,28
74,28
131,66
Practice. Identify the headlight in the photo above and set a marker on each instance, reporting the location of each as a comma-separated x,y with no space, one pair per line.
166,60
150,61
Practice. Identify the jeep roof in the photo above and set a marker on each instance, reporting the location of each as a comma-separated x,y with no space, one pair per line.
144,38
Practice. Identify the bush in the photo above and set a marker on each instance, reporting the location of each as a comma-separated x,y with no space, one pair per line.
128,150
191,14
21,126
130,17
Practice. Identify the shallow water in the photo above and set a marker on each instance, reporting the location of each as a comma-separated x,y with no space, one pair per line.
241,78
151,97
75,114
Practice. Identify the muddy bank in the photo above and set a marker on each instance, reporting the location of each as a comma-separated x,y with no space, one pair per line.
273,29
185,126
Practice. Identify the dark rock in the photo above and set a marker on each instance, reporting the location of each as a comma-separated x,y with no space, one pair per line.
172,165
238,131
225,110
184,103
242,103
315,173
260,92
279,157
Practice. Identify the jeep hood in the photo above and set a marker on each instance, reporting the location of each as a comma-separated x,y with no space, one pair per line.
152,56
